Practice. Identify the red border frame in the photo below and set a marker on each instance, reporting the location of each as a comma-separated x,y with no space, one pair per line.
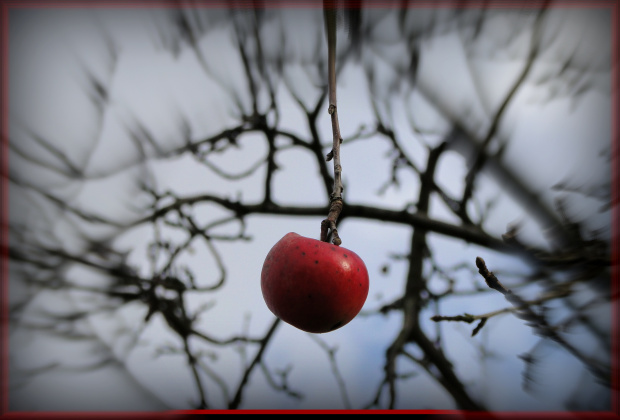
5,5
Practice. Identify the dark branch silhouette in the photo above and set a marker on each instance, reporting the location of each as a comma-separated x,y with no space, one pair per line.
256,71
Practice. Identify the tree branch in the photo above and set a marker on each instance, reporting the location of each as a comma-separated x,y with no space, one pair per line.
335,199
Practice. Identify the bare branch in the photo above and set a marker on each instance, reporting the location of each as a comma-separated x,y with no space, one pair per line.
328,225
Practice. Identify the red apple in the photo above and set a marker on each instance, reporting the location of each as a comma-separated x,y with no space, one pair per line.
313,285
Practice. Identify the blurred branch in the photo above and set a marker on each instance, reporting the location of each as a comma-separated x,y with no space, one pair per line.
468,318
236,401
412,305
480,157
331,354
466,233
283,385
541,326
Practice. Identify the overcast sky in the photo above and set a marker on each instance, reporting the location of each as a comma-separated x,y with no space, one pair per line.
550,142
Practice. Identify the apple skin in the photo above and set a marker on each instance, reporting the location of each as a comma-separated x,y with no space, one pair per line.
313,285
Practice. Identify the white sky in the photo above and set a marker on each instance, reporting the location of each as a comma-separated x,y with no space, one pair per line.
549,142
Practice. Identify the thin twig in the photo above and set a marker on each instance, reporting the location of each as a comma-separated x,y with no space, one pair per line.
331,353
336,203
541,326
234,403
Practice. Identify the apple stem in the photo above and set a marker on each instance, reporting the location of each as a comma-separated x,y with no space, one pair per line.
336,202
